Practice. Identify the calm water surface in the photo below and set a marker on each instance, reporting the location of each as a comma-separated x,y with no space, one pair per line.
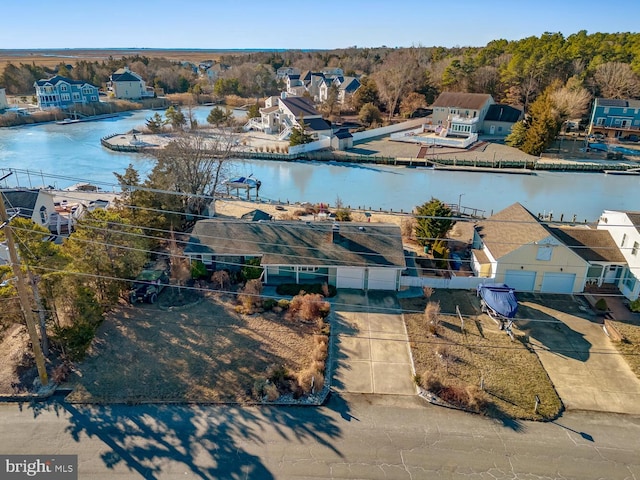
74,152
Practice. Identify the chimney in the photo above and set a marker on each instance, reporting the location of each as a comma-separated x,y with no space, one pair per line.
335,233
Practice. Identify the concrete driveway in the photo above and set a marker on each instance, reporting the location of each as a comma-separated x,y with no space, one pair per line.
585,367
371,346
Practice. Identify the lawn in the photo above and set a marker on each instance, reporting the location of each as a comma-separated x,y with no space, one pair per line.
204,353
510,373
630,345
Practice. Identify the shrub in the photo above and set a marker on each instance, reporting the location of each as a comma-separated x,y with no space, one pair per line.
269,303
75,339
427,292
221,279
343,215
278,375
635,305
310,380
250,296
271,391
432,317
283,303
61,373
601,305
295,289
198,270
252,269
308,307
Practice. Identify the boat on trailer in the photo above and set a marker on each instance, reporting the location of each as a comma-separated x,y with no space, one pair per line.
500,303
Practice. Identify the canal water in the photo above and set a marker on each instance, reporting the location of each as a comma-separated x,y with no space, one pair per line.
61,155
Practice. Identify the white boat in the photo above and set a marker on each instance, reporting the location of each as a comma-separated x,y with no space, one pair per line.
243,182
631,171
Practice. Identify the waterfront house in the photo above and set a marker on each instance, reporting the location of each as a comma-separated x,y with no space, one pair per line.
34,204
515,247
606,263
346,255
624,227
61,92
500,119
128,85
347,86
281,114
461,114
615,118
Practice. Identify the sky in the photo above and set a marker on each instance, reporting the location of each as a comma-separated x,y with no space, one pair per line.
325,24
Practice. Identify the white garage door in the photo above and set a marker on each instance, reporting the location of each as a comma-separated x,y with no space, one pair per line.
382,279
350,277
558,282
521,280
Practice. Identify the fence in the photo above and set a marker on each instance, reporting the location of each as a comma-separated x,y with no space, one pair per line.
310,147
377,132
414,137
458,283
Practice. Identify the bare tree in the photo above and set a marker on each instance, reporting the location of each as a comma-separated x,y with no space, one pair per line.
398,77
616,80
195,165
570,102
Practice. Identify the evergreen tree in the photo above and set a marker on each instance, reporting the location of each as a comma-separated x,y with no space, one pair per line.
432,221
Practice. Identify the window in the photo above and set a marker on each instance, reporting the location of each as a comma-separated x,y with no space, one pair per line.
65,97
63,88
600,121
629,280
544,252
624,239
308,269
634,250
43,214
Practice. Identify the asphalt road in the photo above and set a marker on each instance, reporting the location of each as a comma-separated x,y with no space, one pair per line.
356,436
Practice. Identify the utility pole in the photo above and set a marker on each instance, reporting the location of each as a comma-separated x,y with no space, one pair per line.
22,293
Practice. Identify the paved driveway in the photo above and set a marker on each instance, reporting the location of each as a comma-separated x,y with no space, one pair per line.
583,364
371,348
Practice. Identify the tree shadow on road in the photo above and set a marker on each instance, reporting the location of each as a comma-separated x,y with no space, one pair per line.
210,442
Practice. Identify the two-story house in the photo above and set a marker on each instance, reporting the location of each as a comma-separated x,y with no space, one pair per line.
61,92
624,227
515,247
615,118
128,85
281,114
461,114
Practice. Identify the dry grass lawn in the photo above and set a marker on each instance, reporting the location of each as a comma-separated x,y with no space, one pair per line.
54,57
630,345
205,353
511,373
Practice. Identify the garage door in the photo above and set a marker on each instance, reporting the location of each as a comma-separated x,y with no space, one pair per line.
558,282
350,277
521,280
382,279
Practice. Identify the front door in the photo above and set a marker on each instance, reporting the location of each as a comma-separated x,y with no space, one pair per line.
492,130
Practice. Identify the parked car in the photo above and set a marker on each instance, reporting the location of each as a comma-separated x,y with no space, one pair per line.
148,285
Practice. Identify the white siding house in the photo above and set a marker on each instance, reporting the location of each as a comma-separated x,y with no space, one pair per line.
624,227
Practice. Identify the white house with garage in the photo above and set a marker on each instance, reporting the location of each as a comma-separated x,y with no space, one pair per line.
624,228
515,248
347,255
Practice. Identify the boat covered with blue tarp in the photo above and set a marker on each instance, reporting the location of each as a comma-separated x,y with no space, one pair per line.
500,298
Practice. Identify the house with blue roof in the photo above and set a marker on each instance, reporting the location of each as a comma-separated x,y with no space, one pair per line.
62,92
